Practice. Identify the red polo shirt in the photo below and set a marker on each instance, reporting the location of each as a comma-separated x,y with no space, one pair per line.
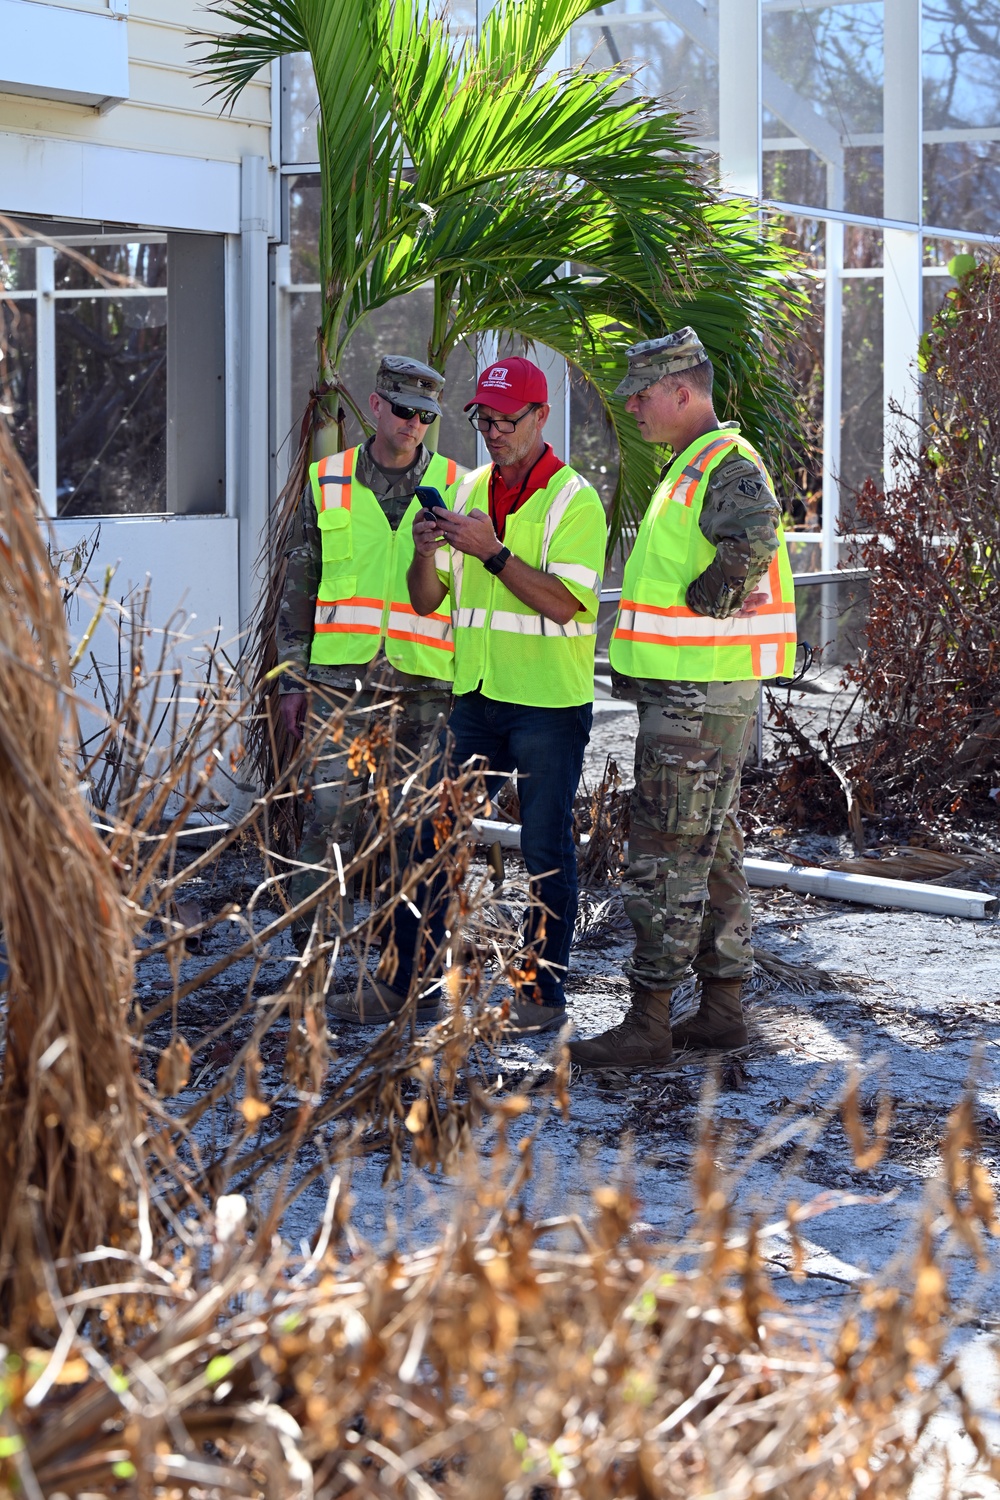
504,502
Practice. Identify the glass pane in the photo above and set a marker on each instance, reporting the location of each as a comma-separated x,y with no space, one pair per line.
18,384
141,262
304,198
677,63
961,103
935,289
299,109
460,15
822,104
863,247
17,267
304,322
593,450
402,327
111,408
861,428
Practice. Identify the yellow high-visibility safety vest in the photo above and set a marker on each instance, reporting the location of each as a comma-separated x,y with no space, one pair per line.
516,653
363,600
656,634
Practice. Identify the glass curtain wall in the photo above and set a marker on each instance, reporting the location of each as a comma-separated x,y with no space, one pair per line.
869,130
114,367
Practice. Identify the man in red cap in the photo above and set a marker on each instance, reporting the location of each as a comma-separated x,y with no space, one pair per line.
525,543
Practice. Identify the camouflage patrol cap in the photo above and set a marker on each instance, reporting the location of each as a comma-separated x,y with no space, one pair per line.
409,382
650,361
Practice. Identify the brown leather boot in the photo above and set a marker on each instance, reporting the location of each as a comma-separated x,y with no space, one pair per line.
640,1040
718,1025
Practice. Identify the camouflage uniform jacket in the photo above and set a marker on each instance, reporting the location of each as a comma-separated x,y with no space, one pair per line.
740,518
394,490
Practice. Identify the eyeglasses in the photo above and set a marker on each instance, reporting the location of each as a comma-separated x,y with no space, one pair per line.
404,413
502,424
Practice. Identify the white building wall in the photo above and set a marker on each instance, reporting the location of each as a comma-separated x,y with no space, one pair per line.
167,112
162,158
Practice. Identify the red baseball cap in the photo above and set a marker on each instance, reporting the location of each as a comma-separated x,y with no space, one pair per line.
510,384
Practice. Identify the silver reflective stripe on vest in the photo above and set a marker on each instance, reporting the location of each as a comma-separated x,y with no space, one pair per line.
557,510
465,487
470,619
431,628
463,494
576,573
689,626
515,624
345,613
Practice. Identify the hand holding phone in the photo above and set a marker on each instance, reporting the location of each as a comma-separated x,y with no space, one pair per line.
426,524
430,498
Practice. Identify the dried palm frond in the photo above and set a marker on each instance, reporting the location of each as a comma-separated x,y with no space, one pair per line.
69,1109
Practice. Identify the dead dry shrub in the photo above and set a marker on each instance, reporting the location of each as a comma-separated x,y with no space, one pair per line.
158,1337
69,1099
928,738
514,1357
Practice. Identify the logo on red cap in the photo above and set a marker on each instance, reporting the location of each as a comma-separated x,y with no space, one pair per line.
509,385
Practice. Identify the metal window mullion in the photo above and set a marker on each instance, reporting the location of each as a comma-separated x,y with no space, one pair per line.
740,73
833,364
284,439
902,256
45,376
106,293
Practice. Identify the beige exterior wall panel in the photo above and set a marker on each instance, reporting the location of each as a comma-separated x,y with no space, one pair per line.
168,110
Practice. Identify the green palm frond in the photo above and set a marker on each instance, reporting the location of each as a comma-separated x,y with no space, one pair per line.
473,166
259,35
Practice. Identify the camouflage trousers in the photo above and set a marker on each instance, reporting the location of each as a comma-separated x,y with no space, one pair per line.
684,888
336,798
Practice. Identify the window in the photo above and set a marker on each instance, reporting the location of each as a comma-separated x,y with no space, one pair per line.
115,367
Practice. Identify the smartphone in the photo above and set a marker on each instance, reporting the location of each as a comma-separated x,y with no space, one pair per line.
430,497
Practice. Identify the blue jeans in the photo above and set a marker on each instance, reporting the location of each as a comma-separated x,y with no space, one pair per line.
545,746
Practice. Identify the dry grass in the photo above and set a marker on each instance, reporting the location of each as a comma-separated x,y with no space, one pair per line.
513,1358
160,1339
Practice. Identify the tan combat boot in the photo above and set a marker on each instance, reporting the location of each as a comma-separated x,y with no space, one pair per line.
718,1025
640,1040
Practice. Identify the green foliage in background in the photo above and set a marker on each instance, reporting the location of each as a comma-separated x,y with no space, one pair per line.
560,208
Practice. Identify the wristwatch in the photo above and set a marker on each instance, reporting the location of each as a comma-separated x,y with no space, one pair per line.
498,562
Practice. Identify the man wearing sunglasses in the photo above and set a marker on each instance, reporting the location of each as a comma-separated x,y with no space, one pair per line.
526,538
346,626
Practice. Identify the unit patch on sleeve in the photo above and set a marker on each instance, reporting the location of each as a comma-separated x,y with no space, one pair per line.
750,487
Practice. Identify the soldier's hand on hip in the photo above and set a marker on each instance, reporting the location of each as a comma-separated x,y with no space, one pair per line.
752,602
292,707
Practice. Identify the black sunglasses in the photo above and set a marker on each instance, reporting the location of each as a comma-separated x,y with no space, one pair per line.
404,413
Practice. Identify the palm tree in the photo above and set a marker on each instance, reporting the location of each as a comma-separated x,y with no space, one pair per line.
562,209
558,208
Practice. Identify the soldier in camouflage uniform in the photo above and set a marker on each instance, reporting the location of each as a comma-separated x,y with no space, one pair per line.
684,887
390,464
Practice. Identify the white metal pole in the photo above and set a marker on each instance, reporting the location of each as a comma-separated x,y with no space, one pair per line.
903,254
740,96
285,439
253,376
833,356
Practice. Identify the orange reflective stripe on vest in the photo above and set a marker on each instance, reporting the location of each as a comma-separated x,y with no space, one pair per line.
656,634
336,483
363,616
433,630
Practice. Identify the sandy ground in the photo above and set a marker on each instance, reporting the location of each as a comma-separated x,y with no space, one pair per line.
912,1000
